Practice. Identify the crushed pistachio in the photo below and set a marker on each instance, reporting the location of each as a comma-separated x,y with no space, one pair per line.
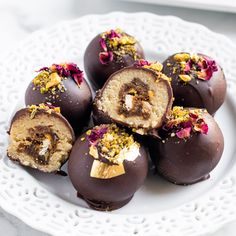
182,56
157,66
185,78
43,106
154,66
50,78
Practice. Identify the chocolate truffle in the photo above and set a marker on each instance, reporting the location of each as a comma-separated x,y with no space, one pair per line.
63,86
107,166
197,81
190,147
109,52
138,97
40,137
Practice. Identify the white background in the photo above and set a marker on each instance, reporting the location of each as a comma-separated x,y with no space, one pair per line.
19,18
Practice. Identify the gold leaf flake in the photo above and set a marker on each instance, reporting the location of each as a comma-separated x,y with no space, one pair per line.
102,170
93,152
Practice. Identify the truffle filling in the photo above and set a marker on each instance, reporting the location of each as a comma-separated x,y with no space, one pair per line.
40,145
135,97
42,142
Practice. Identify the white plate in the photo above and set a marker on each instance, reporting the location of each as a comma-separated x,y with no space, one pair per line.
49,203
213,5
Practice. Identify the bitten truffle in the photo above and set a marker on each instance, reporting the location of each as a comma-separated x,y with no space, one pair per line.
63,86
107,166
109,52
138,97
190,146
40,137
197,81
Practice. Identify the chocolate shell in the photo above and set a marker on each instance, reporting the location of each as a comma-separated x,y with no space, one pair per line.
40,138
101,59
107,166
187,160
196,85
135,97
73,97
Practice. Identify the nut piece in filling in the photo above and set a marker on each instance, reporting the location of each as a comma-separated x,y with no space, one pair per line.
197,81
138,97
107,166
109,52
40,137
189,147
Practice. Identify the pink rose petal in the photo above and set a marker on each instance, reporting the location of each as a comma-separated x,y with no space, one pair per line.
184,133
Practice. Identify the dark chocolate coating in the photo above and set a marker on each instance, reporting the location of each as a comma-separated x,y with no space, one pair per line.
100,117
75,103
105,194
196,93
98,73
187,161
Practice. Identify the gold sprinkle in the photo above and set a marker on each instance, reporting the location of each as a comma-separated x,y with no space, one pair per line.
82,139
89,132
185,78
157,66
34,108
181,57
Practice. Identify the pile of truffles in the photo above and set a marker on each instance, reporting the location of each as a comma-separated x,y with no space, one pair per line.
140,108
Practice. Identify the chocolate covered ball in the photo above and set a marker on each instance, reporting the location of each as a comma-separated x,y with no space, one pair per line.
63,86
109,52
138,97
107,166
190,146
40,137
197,81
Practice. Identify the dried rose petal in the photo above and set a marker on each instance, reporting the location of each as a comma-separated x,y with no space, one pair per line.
103,44
188,66
211,68
105,57
142,62
78,78
96,134
186,124
204,68
184,133
113,34
204,128
193,116
59,69
43,69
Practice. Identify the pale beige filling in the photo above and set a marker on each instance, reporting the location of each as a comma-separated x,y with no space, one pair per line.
19,133
157,107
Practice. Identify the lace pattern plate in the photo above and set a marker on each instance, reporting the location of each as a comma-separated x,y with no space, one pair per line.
49,203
